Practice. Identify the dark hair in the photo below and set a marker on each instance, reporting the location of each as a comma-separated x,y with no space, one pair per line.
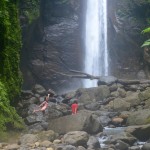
46,98
75,102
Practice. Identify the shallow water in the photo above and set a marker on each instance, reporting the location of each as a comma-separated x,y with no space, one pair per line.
112,131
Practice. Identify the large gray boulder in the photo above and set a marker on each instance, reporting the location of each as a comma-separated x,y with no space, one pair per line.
139,117
82,121
118,105
145,94
39,89
133,99
28,139
76,138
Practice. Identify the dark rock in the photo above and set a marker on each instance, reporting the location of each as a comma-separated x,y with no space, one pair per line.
39,89
106,80
140,132
104,120
121,145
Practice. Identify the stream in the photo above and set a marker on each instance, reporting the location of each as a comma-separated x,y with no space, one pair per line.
108,132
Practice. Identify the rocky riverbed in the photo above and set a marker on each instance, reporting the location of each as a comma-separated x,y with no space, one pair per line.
113,104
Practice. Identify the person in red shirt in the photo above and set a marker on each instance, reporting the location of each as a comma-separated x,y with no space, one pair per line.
43,106
74,107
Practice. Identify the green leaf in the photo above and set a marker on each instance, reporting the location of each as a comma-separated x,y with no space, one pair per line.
146,43
147,30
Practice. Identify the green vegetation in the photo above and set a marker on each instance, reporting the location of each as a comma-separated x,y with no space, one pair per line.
10,76
8,115
147,42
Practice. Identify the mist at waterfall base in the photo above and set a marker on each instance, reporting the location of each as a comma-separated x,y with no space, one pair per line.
96,53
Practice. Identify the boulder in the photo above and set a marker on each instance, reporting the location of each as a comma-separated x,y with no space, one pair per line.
47,135
76,138
141,131
121,145
93,142
122,92
13,147
125,137
28,139
81,148
39,89
133,99
113,87
145,94
118,105
45,143
82,121
92,106
117,121
147,104
139,117
104,120
146,146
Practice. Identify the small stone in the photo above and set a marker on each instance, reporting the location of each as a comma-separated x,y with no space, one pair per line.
50,148
57,141
45,144
13,147
37,144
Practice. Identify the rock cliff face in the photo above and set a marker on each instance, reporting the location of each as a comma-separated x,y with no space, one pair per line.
126,21
53,44
57,48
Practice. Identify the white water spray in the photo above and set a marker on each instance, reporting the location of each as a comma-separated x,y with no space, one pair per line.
96,53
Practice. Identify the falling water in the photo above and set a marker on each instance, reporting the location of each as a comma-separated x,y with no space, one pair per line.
96,53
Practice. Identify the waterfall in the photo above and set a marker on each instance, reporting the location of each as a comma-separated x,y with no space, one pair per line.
96,52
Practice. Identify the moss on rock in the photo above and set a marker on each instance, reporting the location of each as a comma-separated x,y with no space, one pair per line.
10,76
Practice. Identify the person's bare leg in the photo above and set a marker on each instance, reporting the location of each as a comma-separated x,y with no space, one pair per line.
36,110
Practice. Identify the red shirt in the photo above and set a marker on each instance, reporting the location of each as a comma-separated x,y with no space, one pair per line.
74,108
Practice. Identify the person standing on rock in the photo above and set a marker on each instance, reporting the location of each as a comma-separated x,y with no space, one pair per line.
44,105
74,107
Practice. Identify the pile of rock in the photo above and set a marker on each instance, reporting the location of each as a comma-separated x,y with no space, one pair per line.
113,103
